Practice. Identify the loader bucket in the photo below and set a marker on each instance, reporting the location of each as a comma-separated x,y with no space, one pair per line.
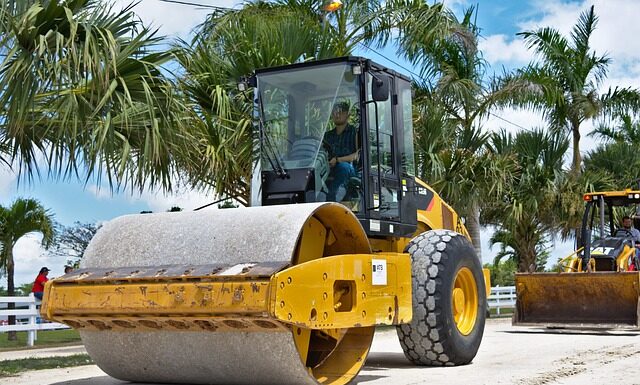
601,300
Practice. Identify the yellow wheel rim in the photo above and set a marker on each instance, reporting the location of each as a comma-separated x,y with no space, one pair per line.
464,301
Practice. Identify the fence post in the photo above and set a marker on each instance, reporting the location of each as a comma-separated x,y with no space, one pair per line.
31,334
498,300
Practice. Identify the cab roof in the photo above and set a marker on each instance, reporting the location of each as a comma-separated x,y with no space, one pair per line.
366,63
615,198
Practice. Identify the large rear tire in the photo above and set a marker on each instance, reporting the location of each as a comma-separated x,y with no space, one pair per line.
449,301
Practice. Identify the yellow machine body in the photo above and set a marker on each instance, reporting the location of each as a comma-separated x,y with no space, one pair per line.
604,295
317,293
328,293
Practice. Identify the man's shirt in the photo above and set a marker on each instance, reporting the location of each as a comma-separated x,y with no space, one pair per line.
343,144
635,233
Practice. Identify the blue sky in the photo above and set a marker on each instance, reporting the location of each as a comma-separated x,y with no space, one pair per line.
500,20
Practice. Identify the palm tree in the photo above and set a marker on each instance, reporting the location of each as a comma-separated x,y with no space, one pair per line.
457,100
82,88
563,85
510,250
529,214
24,216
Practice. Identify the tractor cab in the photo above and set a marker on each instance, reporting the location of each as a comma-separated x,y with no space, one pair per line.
604,241
367,164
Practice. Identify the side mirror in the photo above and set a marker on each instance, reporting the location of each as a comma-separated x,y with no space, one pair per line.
379,87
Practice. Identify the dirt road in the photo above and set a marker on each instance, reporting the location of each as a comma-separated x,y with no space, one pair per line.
508,355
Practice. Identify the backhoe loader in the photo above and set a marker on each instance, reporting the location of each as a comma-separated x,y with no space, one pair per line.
600,285
290,290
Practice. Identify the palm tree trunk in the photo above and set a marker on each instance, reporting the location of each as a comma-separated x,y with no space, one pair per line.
473,227
576,165
11,290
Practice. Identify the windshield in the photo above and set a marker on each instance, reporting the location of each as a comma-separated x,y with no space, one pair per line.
296,109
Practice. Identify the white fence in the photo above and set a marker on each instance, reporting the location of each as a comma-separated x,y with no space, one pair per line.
30,315
502,298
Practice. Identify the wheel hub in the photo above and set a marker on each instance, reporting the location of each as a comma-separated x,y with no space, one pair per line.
458,301
464,300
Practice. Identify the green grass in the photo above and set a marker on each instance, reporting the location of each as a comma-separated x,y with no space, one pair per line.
13,367
46,338
503,313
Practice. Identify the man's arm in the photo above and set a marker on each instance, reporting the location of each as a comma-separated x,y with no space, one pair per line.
348,158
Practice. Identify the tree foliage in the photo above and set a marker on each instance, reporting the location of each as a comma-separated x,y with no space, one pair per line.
82,90
617,158
529,213
71,241
502,273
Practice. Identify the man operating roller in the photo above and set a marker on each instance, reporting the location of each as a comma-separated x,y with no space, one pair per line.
342,141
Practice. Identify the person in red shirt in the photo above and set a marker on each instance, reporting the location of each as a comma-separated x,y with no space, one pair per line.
38,285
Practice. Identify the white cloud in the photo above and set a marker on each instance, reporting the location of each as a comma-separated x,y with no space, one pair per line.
623,79
513,120
614,35
556,14
501,48
616,30
456,4
7,181
100,193
175,20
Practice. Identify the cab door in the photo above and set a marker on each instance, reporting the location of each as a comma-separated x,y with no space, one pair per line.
384,192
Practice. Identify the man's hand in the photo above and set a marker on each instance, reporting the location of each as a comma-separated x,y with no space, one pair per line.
333,161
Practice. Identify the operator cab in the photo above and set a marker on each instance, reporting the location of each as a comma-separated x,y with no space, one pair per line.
299,151
611,247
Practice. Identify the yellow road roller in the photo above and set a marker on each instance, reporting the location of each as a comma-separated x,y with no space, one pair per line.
341,237
600,285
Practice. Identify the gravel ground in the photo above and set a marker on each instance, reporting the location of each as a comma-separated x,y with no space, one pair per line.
507,355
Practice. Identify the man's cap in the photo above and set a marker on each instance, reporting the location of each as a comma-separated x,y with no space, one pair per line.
44,269
341,106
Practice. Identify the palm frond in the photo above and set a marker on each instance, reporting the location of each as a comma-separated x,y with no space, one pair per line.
81,84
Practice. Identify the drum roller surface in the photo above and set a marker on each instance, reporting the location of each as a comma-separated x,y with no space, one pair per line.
228,236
